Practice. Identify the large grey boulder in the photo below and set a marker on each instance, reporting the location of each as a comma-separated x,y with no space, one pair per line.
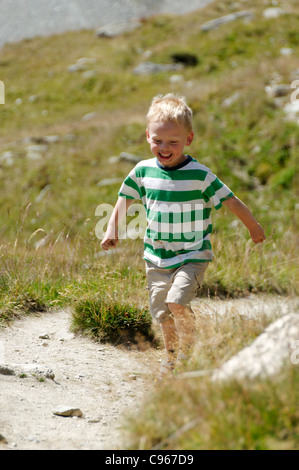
266,356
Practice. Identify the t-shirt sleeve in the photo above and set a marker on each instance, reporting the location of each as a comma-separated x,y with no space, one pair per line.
216,191
129,188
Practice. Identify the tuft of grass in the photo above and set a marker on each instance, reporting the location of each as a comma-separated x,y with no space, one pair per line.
109,320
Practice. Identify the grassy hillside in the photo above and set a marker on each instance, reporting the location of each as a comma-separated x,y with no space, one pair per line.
49,254
51,197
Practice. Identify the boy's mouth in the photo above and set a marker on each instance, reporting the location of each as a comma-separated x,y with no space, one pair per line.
165,156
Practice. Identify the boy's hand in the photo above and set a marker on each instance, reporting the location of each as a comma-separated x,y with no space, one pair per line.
240,210
111,237
108,243
257,234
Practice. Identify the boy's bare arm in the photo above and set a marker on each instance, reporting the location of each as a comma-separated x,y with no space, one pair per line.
237,207
110,239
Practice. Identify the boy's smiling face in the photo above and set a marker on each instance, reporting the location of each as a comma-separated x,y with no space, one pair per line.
167,141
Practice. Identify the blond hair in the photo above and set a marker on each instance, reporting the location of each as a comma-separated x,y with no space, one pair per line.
170,108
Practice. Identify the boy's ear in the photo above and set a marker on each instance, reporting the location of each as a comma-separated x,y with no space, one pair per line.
190,138
147,135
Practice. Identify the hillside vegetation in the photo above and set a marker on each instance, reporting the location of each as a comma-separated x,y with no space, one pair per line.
49,252
60,127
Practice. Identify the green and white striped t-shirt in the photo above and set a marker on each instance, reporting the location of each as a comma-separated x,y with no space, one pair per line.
178,204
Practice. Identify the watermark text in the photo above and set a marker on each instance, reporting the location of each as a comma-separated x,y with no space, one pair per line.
170,222
295,94
2,92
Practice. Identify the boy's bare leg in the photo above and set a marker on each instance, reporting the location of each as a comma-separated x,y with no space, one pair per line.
171,339
186,327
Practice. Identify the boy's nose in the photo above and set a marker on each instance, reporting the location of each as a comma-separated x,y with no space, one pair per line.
164,146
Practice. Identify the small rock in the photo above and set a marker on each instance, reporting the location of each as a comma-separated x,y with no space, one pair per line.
125,157
116,28
33,98
94,420
213,24
37,148
34,152
7,157
86,60
79,376
81,64
270,13
129,157
176,78
2,439
68,412
89,116
133,376
150,68
109,182
286,51
76,68
89,74
51,139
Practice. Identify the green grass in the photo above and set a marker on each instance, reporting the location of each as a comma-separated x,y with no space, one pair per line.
108,319
50,257
54,198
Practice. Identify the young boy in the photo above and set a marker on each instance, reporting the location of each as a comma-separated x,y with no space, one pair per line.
178,194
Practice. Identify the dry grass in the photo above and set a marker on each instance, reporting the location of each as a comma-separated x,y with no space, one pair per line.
197,414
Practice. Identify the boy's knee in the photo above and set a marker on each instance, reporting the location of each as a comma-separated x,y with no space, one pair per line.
177,309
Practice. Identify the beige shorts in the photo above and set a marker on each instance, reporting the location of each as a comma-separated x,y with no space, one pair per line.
178,285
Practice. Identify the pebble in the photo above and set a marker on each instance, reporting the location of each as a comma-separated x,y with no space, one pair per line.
89,116
2,439
67,411
44,336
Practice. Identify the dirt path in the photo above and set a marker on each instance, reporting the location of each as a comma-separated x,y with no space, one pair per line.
102,380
